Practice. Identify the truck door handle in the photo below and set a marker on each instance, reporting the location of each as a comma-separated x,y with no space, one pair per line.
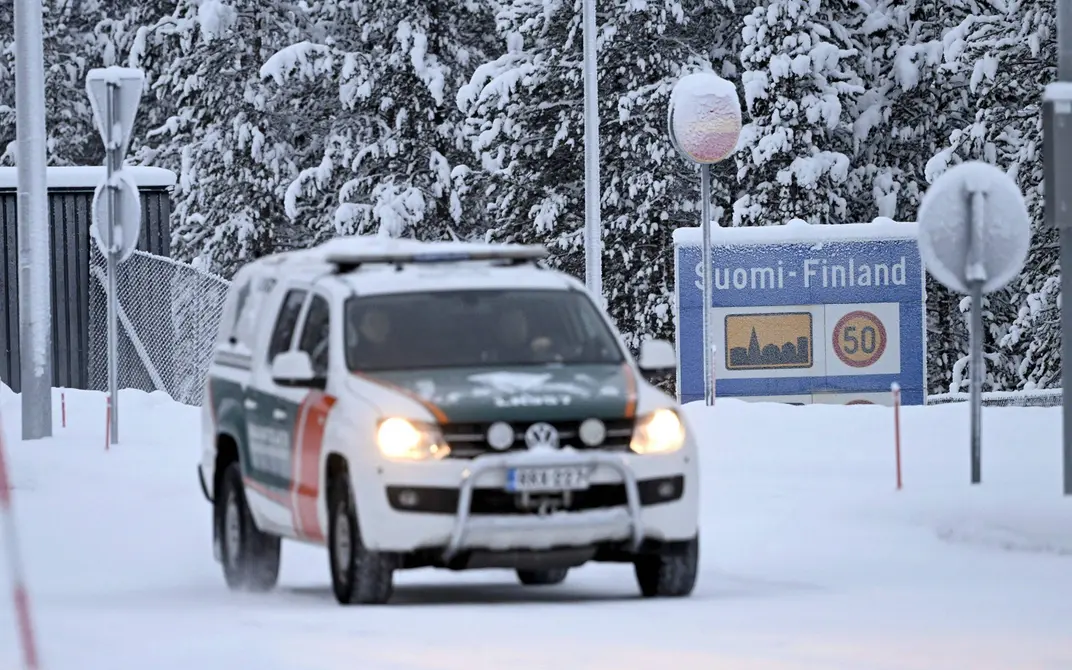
250,404
279,415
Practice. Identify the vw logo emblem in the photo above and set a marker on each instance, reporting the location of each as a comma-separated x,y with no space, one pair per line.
541,436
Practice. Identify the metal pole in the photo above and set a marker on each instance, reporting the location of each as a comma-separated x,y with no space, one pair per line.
35,287
112,158
593,247
1064,73
978,364
975,273
705,232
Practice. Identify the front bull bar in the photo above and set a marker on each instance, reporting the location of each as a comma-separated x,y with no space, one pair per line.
490,462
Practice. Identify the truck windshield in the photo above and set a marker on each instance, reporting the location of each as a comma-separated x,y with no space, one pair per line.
476,328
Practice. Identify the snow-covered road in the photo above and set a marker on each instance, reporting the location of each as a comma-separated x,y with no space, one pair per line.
810,559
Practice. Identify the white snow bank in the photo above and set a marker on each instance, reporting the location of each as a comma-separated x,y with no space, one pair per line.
844,458
809,557
88,177
879,229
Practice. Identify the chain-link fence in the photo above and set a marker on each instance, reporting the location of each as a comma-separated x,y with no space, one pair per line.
168,314
1041,398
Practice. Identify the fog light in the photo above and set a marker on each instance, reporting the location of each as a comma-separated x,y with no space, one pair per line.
666,490
592,432
500,435
408,498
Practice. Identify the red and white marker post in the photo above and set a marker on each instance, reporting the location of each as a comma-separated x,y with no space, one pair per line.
14,563
895,388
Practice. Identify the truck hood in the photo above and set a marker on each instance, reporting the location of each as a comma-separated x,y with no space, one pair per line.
522,393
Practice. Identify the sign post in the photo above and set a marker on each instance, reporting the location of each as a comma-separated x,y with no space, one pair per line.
593,243
114,94
974,235
1057,129
35,302
704,122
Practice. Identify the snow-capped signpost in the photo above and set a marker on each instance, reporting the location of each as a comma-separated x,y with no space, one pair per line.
704,121
974,234
114,94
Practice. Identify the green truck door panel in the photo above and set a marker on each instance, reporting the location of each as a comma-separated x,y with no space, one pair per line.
271,421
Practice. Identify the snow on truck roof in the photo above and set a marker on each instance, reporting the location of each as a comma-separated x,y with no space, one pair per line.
352,252
364,261
88,176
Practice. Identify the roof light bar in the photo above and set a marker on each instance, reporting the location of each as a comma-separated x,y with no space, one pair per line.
509,253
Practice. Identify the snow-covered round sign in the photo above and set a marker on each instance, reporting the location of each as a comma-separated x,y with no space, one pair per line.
128,216
704,117
946,230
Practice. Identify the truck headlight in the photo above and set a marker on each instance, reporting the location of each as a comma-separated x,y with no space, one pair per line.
406,440
658,433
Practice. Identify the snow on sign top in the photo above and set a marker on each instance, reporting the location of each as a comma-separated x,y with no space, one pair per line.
128,84
87,177
1060,91
115,74
704,117
880,229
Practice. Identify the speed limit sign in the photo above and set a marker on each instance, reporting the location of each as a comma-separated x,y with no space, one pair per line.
859,339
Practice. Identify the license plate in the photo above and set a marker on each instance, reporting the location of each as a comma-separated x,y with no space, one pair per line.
546,479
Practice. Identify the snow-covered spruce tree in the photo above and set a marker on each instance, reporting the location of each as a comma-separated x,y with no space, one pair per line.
1008,55
78,36
231,146
915,97
799,76
388,155
912,100
526,111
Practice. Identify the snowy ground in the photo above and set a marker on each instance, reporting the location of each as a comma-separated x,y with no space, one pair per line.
810,559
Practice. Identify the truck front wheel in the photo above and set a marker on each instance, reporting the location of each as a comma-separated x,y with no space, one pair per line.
358,576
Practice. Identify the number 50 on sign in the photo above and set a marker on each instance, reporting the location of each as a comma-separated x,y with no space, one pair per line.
859,339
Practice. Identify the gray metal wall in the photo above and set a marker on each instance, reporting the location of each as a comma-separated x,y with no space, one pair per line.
69,219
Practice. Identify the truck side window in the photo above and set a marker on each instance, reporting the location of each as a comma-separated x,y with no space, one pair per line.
314,337
286,322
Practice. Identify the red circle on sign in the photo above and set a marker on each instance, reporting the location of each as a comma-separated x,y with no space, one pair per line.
842,339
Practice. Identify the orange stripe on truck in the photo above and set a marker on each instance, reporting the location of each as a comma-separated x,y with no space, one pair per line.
630,391
439,414
310,445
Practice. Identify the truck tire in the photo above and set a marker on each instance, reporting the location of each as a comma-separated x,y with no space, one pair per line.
250,558
358,576
669,575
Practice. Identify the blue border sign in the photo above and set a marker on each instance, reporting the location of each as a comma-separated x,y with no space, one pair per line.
805,313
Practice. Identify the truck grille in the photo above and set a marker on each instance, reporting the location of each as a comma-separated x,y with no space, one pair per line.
469,440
